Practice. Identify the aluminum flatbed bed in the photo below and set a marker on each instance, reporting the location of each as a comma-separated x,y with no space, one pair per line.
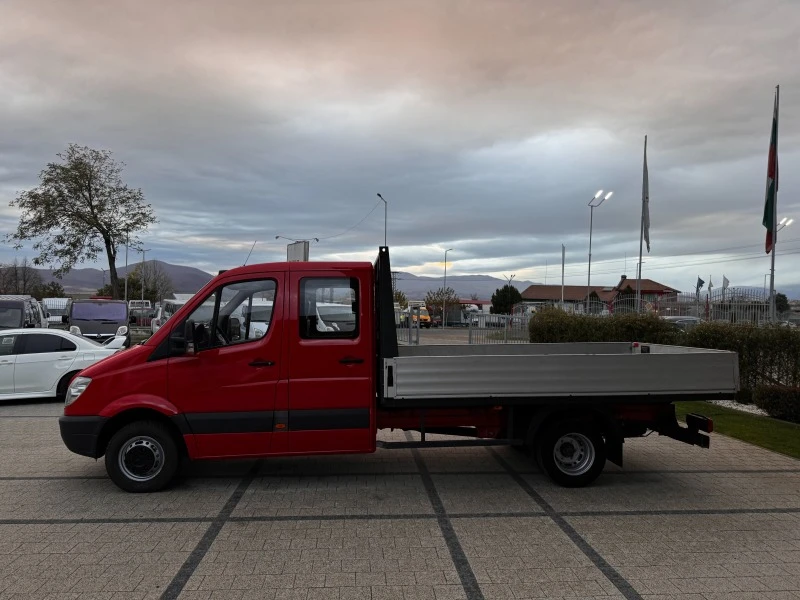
442,376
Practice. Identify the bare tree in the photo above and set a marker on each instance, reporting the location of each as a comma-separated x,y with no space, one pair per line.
19,277
156,280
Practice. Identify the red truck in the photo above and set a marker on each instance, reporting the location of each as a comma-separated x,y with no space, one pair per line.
326,373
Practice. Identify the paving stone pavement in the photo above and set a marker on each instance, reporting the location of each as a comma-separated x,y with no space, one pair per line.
445,524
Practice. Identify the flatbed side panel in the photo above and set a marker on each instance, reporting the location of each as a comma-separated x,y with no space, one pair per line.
517,349
562,375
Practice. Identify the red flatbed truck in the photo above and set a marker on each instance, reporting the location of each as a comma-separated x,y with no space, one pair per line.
207,385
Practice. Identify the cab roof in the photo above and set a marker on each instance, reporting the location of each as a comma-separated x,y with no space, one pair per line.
298,266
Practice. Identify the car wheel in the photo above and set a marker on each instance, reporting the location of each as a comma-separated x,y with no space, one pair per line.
63,386
572,453
142,457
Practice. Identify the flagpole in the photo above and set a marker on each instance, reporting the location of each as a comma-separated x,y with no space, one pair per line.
641,242
563,259
772,313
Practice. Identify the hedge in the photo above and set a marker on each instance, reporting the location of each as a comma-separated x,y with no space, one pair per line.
769,357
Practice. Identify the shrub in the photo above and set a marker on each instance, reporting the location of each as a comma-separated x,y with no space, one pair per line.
781,403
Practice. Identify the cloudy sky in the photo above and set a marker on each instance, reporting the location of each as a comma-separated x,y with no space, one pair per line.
486,125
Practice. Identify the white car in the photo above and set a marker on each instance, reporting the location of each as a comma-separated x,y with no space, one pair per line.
39,363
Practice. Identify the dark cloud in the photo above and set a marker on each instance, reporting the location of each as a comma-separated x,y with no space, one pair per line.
487,126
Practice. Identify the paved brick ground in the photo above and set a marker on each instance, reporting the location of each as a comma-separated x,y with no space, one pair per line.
466,524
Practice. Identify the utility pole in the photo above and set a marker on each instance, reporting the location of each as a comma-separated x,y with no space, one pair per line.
127,243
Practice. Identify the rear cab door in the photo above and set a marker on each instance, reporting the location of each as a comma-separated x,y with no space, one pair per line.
330,342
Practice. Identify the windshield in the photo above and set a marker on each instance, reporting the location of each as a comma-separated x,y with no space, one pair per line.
423,312
56,312
10,317
100,311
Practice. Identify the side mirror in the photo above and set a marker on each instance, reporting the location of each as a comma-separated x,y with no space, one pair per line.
132,320
65,319
234,329
191,334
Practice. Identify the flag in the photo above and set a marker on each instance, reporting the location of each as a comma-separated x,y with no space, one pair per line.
770,220
725,283
646,199
700,284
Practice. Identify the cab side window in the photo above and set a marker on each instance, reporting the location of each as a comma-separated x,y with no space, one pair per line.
329,308
235,313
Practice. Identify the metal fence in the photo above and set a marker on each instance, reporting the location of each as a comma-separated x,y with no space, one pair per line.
733,305
498,329
407,324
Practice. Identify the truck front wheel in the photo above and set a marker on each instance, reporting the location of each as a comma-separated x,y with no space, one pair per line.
572,453
142,457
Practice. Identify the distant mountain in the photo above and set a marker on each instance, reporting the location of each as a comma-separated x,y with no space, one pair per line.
185,280
415,287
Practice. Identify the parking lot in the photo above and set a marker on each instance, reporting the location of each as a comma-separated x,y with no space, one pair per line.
443,524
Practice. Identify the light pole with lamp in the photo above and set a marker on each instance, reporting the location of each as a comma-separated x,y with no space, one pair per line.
596,201
141,276
444,291
783,224
385,213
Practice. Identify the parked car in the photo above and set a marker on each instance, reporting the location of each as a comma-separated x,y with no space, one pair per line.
38,363
21,311
683,323
55,308
97,319
163,312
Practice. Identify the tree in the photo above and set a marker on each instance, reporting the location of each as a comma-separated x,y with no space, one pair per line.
401,299
504,299
436,300
80,209
51,290
157,283
781,303
19,277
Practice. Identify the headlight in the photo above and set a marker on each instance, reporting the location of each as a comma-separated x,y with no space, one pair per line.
258,333
76,388
122,330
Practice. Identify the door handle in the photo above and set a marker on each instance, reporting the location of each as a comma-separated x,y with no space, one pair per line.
351,360
262,363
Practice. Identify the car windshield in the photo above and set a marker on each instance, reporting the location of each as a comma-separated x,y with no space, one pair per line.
10,318
100,311
424,312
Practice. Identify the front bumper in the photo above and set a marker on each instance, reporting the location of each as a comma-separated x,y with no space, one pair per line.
81,434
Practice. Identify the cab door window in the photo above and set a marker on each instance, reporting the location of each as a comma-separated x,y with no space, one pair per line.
236,313
328,307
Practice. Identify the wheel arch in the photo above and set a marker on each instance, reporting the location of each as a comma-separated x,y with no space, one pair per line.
603,419
176,425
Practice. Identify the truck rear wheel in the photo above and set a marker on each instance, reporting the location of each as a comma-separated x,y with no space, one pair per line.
572,453
142,457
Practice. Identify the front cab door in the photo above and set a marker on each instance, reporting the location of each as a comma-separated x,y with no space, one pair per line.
227,388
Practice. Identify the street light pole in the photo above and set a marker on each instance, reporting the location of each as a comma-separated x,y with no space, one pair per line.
593,203
385,213
141,275
127,243
444,291
784,223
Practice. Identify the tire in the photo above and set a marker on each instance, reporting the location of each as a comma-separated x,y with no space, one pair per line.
63,386
142,457
572,453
